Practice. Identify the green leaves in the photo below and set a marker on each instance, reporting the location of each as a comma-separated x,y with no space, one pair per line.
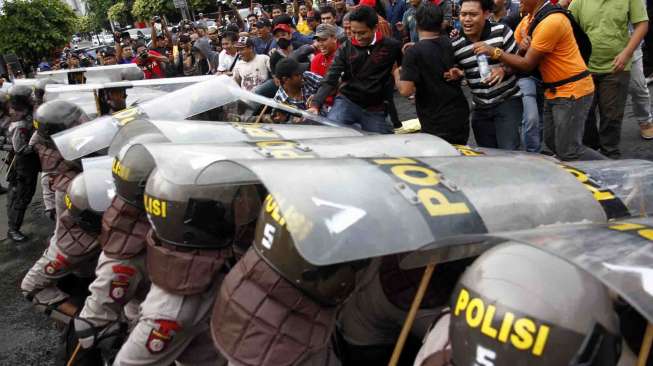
118,12
33,28
146,9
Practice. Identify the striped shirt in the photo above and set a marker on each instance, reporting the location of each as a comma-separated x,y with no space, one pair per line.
495,35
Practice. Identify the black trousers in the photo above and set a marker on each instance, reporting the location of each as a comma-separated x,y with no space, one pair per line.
22,186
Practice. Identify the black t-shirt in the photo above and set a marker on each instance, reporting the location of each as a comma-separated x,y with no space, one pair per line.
441,106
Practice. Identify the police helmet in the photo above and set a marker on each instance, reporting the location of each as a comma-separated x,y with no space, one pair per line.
518,305
328,285
20,97
132,166
131,74
56,116
39,88
199,216
77,203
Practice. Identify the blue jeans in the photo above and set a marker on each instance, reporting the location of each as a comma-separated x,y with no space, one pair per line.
348,113
498,126
532,125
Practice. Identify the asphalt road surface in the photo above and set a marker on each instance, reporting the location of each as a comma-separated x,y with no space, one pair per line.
27,338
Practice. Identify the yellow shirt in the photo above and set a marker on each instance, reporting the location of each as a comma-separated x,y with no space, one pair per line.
554,37
303,28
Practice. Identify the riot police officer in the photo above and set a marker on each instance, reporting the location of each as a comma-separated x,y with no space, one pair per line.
46,175
39,91
4,129
518,305
24,167
121,282
193,230
59,259
115,99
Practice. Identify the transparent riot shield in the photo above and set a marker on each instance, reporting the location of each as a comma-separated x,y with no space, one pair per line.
183,103
618,253
352,209
99,182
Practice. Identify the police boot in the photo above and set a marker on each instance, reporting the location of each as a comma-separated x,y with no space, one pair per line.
3,190
16,236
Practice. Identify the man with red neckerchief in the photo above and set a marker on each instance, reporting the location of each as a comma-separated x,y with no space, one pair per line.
365,63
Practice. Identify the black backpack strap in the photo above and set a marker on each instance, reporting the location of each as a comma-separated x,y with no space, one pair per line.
546,10
552,86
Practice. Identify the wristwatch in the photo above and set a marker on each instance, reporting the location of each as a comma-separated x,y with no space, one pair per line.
496,54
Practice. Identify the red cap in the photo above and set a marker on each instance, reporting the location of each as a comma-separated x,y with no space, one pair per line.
370,3
282,27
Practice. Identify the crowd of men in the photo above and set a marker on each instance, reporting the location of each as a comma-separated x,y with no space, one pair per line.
533,86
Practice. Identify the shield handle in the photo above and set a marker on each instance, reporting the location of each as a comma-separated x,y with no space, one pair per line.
646,346
412,313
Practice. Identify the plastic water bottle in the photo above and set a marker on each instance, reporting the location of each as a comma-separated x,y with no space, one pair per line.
483,66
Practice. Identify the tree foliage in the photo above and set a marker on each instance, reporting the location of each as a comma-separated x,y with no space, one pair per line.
118,12
97,13
146,9
34,28
83,24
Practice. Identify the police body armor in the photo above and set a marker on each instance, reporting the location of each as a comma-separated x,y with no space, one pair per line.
124,223
80,223
193,229
50,118
48,154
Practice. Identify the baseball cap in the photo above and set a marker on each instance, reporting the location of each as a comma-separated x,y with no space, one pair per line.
282,27
263,23
109,51
244,41
287,67
325,31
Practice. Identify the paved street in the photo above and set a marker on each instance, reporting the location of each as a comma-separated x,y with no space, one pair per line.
29,339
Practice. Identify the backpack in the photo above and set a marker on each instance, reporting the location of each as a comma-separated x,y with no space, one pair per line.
582,40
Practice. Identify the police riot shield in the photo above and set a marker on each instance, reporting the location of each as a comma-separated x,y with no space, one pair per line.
178,105
223,132
618,253
340,210
139,91
181,163
27,82
99,182
95,74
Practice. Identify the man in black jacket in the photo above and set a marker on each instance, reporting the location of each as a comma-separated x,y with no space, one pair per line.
363,68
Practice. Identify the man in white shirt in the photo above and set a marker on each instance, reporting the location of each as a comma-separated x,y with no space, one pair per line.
229,54
251,70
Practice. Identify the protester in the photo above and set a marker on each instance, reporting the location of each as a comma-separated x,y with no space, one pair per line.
149,61
277,11
265,42
441,106
497,111
295,87
364,63
640,96
395,10
229,53
408,26
569,89
328,15
302,21
251,70
610,62
327,44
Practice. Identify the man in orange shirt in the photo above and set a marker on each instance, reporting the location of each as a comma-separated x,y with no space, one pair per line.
552,48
